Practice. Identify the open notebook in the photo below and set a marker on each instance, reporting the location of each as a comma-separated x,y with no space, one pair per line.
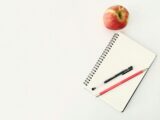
120,53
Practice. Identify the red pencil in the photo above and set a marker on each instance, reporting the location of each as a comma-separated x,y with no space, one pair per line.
121,82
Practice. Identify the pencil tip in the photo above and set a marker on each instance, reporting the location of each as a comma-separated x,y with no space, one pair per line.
98,95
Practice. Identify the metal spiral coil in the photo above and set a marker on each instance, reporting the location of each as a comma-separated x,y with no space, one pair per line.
101,58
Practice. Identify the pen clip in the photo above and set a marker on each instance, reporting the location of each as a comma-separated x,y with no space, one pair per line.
127,70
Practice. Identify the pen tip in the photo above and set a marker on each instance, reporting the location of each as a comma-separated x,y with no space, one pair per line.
93,88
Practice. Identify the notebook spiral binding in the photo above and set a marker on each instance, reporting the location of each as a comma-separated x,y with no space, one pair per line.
101,58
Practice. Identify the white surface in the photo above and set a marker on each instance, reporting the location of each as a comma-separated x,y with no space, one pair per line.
47,48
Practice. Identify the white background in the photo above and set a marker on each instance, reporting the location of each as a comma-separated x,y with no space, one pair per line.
48,47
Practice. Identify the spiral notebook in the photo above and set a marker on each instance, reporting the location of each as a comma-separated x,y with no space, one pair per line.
120,53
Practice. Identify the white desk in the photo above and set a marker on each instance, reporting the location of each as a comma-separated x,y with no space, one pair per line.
47,48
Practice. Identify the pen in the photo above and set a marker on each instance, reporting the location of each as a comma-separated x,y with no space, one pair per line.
118,74
121,82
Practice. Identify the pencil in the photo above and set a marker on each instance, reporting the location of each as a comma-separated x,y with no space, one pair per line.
121,82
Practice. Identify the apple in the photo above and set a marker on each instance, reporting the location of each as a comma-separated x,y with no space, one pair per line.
116,17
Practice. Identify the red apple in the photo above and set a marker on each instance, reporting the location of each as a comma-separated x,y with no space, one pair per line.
116,17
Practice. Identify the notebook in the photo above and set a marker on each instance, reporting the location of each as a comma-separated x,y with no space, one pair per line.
120,53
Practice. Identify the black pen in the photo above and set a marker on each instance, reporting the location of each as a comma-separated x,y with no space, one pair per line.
118,74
